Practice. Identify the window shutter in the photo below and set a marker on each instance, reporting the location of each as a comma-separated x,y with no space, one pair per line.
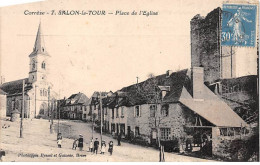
140,110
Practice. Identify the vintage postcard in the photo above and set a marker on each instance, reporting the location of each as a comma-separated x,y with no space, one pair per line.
129,81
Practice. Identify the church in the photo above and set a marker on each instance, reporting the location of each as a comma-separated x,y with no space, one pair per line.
38,100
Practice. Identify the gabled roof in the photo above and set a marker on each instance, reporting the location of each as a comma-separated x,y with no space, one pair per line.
16,87
176,81
2,92
212,109
95,97
75,99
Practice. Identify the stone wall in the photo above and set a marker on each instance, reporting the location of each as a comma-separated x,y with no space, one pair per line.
140,121
2,106
15,102
178,117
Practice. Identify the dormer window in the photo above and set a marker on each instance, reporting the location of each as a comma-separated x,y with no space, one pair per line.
43,65
164,90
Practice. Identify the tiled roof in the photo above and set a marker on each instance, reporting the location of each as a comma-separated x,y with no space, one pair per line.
2,92
75,99
16,87
137,93
214,110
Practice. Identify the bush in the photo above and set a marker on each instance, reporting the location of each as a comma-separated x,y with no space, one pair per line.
140,141
171,145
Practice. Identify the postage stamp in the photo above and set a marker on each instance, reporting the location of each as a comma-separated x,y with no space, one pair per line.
238,25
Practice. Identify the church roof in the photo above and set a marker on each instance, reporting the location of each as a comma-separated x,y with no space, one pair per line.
16,87
39,46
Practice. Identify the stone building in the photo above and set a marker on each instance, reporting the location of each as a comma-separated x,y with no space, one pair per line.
86,112
179,106
230,72
38,90
2,104
74,106
218,61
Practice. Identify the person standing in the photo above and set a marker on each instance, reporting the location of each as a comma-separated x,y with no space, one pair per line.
80,143
91,146
110,147
59,136
2,155
119,139
74,145
59,143
103,147
96,144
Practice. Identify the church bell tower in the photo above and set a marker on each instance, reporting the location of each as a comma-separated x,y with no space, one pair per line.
39,67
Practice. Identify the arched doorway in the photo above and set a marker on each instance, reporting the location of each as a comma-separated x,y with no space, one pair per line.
43,110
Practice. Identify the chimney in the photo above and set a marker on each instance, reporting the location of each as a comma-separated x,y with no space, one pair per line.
168,73
198,82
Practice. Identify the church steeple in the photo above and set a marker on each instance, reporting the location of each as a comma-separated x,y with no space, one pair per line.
39,46
39,60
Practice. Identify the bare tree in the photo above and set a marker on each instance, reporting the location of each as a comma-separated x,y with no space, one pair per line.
150,93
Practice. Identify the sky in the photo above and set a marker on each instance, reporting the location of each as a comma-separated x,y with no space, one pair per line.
100,53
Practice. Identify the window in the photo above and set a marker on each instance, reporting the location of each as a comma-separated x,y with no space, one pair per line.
165,133
122,112
33,64
112,127
137,132
152,110
137,111
113,113
43,65
106,111
165,110
13,105
117,113
41,92
17,104
85,116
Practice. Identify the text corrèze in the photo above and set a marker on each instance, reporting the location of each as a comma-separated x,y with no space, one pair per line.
91,12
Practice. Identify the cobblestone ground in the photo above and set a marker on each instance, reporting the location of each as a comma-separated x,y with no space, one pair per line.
39,144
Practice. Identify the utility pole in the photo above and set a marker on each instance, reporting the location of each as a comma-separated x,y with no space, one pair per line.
49,109
101,117
231,63
92,118
58,103
21,126
35,101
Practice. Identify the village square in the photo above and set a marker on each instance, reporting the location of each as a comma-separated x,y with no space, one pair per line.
208,112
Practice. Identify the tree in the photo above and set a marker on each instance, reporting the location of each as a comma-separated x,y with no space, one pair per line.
149,92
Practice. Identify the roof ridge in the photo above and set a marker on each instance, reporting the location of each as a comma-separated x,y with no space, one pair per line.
13,81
